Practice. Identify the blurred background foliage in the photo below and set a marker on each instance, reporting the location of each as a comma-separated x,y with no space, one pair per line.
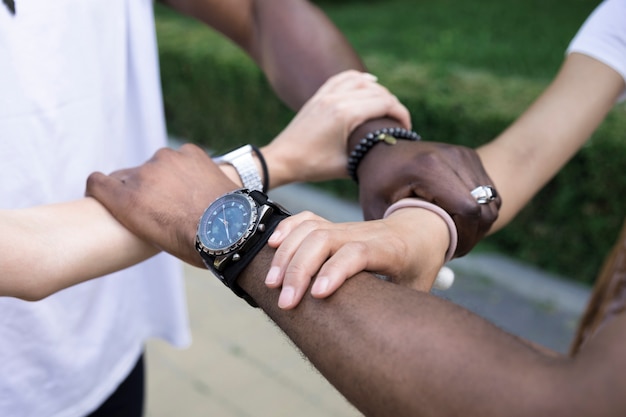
464,69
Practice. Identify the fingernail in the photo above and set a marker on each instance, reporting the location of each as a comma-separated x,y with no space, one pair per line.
320,286
286,297
272,275
371,76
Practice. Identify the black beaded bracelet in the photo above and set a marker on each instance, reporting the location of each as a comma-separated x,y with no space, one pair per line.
387,135
266,174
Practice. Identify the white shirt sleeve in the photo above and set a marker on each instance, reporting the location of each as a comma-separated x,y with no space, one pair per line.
603,36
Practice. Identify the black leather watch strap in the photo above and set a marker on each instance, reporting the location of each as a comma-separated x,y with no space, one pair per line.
229,268
272,217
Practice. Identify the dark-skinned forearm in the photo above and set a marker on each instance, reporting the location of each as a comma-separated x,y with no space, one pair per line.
299,48
293,42
393,351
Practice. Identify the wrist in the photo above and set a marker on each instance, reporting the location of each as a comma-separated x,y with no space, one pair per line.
365,128
444,219
232,230
279,169
231,173
377,153
389,136
428,235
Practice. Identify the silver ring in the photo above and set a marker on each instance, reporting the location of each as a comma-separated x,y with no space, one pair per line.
484,194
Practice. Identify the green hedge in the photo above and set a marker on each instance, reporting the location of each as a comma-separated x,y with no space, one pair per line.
214,95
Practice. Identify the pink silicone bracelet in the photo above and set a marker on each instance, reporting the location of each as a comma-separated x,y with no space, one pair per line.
416,202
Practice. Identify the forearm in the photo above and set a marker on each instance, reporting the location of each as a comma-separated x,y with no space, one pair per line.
75,241
293,41
388,349
393,351
534,148
299,48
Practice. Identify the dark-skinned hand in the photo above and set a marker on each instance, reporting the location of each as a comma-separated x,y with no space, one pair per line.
162,200
440,173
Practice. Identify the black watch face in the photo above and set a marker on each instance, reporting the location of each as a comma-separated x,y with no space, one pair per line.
227,222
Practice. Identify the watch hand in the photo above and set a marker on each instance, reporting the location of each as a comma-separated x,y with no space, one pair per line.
225,223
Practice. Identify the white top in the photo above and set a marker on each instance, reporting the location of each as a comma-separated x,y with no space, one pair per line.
79,92
603,36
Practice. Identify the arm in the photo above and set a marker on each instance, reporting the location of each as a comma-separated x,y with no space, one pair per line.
278,34
537,145
311,147
551,131
389,350
81,241
520,161
544,138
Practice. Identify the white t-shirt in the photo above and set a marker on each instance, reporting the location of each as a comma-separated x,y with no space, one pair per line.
79,92
603,36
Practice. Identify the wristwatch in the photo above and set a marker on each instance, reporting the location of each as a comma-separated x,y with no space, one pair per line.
232,230
243,162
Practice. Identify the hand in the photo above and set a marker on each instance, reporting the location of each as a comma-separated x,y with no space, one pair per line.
439,173
408,247
162,200
312,147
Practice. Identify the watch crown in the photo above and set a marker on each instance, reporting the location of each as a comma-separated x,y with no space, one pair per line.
261,227
236,257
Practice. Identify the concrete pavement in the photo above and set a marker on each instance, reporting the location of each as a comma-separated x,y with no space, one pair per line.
241,365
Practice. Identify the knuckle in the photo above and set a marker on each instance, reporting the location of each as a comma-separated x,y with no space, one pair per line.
296,274
163,153
342,111
350,73
357,248
189,147
93,180
309,215
429,159
468,208
320,235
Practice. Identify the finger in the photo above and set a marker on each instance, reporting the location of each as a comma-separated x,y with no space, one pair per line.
473,229
286,226
357,107
345,81
457,201
305,263
105,188
464,172
192,149
349,260
285,252
390,106
394,108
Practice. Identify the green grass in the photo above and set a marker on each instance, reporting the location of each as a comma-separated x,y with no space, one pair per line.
464,69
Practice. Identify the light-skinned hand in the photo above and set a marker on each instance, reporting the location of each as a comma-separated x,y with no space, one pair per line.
408,247
313,146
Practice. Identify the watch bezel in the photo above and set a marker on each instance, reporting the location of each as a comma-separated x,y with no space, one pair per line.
250,230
